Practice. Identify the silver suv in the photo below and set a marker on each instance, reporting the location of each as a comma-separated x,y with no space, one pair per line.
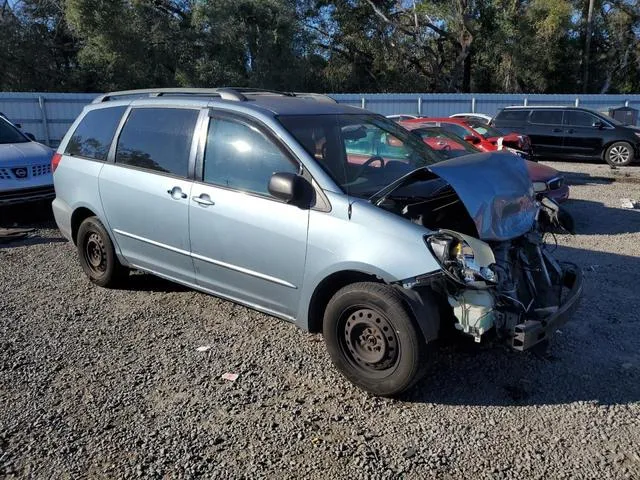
325,215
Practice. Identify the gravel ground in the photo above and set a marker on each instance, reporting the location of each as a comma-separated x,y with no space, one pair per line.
110,384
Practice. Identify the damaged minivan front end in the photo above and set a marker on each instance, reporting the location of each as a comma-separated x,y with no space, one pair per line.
488,235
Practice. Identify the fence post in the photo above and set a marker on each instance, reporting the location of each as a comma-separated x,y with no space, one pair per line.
363,102
45,123
577,102
473,104
420,106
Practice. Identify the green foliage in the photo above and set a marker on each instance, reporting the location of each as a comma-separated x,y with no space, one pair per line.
319,45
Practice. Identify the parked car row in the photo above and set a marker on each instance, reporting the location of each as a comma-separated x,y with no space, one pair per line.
553,132
321,214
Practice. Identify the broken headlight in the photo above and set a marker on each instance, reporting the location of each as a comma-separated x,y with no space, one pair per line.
458,259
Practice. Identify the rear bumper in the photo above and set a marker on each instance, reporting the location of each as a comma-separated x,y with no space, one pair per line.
23,195
531,332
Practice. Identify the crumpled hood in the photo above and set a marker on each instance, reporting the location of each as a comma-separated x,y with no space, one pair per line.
495,189
20,153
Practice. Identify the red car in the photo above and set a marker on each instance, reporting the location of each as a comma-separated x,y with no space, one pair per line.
546,180
484,137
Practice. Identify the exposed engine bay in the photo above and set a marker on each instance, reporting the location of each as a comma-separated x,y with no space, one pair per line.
512,284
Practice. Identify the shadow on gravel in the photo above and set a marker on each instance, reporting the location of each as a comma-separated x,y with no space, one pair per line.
593,358
36,214
145,282
595,218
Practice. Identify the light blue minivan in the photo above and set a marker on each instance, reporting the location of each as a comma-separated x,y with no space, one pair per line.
322,214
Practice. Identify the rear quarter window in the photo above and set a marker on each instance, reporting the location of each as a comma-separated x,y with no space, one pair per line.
512,116
92,138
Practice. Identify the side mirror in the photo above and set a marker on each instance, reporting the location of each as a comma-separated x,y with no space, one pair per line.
472,139
290,188
18,125
30,136
598,124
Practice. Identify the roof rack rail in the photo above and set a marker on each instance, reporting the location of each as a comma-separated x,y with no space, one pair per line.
224,93
538,106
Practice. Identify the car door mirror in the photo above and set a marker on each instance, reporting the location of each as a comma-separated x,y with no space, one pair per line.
30,136
598,124
291,188
472,139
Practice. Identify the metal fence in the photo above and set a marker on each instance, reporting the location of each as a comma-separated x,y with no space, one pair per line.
49,115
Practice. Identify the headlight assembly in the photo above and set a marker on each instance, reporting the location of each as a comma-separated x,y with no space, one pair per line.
539,187
460,261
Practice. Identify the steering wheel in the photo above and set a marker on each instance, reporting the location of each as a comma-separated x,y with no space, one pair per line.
370,160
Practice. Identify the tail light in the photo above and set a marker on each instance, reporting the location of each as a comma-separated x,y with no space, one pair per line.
55,160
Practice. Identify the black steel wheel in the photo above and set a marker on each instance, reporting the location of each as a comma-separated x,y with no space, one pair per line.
97,255
373,339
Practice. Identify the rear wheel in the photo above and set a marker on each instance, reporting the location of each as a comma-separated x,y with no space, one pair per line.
373,339
619,154
97,255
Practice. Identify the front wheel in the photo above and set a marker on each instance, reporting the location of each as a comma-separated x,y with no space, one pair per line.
97,255
373,339
619,154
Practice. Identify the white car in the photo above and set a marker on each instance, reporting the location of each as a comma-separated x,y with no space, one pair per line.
401,117
25,167
481,117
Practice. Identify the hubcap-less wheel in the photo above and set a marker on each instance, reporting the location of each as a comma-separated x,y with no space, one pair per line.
370,342
619,154
95,253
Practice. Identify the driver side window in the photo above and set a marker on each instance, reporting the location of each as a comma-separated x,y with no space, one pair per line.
240,157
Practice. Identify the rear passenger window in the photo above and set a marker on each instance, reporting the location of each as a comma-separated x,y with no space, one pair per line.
94,134
158,139
548,117
513,115
239,156
577,118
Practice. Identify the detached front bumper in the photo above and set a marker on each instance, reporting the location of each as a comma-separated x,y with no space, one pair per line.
532,332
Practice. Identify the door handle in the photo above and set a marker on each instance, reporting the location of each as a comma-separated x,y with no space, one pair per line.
556,130
571,130
175,191
203,200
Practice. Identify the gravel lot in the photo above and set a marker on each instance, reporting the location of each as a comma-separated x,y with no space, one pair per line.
109,383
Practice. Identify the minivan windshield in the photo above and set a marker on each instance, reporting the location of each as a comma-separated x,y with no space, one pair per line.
10,134
363,153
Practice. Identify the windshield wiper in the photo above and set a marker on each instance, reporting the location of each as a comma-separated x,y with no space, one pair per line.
382,194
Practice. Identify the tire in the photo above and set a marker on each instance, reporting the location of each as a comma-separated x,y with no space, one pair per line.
373,339
619,154
97,255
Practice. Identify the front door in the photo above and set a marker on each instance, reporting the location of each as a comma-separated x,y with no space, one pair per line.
246,245
145,193
582,138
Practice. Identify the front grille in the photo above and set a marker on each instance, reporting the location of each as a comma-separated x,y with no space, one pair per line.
27,194
37,170
555,183
4,174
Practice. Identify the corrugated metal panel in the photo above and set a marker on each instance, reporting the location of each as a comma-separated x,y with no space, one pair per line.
61,109
58,110
440,105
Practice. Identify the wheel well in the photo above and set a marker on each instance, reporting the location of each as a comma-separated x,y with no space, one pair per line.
327,289
79,215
